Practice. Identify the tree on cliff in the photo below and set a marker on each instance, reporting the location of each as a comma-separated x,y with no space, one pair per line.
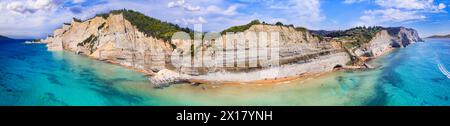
241,28
279,24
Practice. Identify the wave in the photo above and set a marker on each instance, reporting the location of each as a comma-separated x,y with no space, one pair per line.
444,70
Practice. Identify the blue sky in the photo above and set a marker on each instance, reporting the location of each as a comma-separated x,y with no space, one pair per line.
38,18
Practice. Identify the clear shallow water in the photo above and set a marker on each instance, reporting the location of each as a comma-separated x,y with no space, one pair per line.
30,75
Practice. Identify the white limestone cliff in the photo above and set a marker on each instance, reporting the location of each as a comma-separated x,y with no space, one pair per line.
117,40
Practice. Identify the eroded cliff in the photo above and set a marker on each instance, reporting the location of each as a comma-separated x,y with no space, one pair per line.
259,52
388,38
112,39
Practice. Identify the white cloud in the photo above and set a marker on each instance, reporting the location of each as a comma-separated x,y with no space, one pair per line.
441,6
199,20
191,8
390,15
399,11
178,3
36,18
309,9
184,5
405,4
353,1
78,1
31,6
17,7
424,5
231,10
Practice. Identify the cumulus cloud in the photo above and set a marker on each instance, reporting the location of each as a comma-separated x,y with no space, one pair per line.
199,20
184,5
309,9
78,1
406,4
37,18
353,1
399,11
441,6
178,3
422,5
390,15
231,10
31,6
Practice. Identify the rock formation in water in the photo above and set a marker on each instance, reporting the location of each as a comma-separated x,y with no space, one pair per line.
127,38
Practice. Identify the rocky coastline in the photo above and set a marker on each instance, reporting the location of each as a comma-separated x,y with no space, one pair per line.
115,39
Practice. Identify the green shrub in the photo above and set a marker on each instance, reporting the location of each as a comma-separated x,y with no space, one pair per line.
302,29
148,25
358,35
279,24
77,20
241,28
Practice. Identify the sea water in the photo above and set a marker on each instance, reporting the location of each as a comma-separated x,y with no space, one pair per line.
32,76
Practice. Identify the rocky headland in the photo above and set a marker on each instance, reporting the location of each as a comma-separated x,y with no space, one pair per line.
4,38
133,40
440,36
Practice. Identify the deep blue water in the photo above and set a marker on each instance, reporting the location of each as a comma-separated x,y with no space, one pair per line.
30,75
411,76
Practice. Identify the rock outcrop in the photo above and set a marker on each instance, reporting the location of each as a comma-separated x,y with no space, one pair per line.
387,39
166,77
113,39
403,37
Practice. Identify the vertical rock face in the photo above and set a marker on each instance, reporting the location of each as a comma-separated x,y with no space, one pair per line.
292,47
398,37
403,37
112,39
379,44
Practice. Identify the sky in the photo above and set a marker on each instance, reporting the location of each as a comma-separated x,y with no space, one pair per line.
38,18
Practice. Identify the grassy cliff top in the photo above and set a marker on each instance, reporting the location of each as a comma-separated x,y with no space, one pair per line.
357,36
148,25
164,30
242,28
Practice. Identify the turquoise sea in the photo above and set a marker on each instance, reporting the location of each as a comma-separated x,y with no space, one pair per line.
32,76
